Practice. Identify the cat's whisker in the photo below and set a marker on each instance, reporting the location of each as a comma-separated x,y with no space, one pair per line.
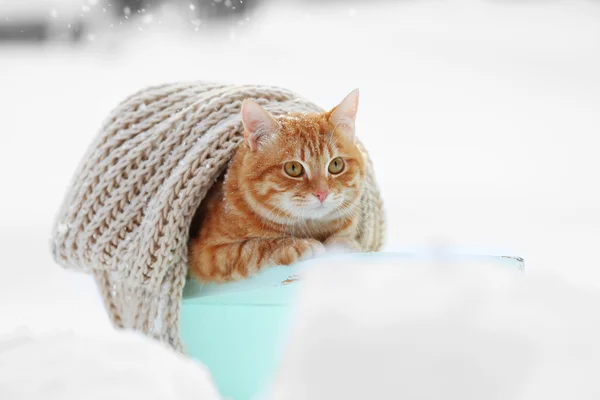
351,210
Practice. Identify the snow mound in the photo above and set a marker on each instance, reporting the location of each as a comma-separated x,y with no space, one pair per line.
441,331
120,365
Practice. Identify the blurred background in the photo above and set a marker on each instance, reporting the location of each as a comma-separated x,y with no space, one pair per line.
482,117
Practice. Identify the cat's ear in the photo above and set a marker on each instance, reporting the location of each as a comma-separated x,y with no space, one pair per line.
258,123
344,114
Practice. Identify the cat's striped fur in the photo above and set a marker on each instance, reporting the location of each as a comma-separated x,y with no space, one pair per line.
260,215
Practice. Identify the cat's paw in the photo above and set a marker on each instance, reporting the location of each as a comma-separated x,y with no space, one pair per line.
292,250
308,248
342,244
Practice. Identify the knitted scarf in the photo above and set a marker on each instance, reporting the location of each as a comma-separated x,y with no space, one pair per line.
127,213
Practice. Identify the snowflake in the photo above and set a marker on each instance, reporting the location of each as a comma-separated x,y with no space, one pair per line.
63,228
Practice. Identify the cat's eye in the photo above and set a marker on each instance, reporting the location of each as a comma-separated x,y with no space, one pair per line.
336,165
293,169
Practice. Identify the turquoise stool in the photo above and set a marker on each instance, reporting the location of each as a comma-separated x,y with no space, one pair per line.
238,329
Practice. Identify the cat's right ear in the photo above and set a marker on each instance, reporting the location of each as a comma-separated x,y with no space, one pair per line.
343,115
258,124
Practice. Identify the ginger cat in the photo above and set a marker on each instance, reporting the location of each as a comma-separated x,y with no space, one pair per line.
292,188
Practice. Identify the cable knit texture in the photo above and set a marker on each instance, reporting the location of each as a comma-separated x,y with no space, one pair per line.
126,216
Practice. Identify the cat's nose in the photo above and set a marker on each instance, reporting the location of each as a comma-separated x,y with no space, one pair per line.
321,194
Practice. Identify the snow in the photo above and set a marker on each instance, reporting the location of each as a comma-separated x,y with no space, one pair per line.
432,330
481,117
120,365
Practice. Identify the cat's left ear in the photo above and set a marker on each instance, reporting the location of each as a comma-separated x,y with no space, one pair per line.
258,124
344,114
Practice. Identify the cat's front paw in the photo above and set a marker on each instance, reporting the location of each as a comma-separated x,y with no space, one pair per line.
342,244
308,248
291,250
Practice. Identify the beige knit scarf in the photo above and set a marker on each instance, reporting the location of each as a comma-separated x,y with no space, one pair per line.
128,211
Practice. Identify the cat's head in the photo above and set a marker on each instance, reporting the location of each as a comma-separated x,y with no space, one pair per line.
302,166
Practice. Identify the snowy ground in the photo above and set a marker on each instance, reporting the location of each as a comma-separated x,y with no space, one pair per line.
481,117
